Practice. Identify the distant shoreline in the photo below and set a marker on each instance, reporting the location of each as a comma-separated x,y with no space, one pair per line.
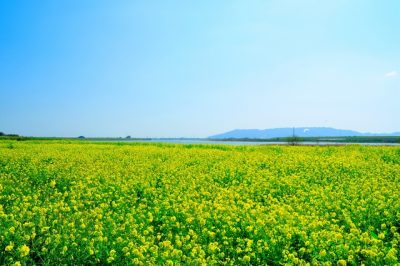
348,139
309,141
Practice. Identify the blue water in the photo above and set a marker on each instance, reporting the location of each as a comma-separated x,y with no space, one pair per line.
205,141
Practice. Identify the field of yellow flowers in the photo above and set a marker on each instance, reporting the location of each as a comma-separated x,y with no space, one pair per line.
71,202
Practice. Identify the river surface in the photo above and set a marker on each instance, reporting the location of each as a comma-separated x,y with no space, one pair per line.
205,141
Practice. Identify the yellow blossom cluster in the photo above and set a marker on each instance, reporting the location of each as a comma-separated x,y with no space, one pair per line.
74,202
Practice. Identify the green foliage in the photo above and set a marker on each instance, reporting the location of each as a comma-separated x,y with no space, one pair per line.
294,140
78,202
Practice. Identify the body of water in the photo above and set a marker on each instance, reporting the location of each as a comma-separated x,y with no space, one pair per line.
205,141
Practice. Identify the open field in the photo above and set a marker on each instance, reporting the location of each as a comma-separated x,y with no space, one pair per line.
72,202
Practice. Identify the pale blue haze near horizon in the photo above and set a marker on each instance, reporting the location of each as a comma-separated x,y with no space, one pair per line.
197,68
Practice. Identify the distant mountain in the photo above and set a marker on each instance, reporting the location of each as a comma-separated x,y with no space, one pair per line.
298,131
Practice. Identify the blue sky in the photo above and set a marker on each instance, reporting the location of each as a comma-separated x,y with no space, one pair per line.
197,68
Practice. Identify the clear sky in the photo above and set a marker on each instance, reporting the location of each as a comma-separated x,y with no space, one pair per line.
197,68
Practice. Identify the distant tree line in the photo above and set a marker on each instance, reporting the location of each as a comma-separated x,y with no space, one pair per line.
11,136
2,134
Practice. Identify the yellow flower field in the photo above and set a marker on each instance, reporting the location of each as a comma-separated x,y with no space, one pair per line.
71,202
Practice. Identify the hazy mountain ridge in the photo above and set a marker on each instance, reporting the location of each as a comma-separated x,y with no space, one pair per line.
298,131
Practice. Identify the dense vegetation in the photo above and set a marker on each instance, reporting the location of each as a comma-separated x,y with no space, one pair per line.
72,202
